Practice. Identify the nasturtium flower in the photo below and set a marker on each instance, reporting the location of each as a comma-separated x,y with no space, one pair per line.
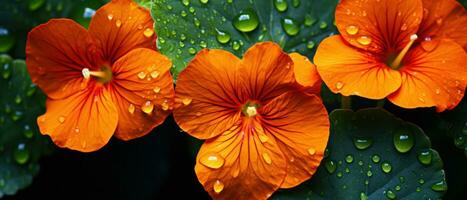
101,81
262,132
410,51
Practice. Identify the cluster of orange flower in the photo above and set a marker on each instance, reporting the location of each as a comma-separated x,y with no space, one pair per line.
261,116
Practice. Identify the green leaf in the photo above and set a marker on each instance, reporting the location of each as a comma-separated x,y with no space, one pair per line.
454,123
184,27
21,144
364,161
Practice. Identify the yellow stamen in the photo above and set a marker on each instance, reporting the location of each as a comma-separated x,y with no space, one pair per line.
87,74
397,61
251,111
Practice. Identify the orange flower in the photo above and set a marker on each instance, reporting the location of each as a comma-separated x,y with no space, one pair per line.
261,133
410,51
99,81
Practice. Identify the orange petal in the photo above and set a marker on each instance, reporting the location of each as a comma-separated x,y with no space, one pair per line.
306,74
245,167
85,121
207,94
433,78
56,52
378,25
300,125
120,26
447,19
267,71
350,71
142,89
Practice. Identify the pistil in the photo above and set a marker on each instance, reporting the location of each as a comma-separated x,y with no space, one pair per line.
398,60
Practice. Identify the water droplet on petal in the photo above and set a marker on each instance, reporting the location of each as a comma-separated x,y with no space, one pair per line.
212,160
339,85
154,74
352,30
156,89
147,107
218,186
110,16
267,158
148,32
118,23
312,151
61,119
131,108
186,101
364,40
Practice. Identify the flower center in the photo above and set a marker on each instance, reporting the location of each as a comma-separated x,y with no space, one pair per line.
396,63
103,76
250,109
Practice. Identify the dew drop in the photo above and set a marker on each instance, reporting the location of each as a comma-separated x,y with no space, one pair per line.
186,101
312,151
310,44
363,196
118,23
110,16
339,85
218,186
390,194
21,154
204,1
386,167
155,74
186,2
349,159
440,186
212,160
364,40
156,89
375,158
142,75
290,26
403,140
296,3
246,21
330,166
28,133
192,50
61,119
267,158
352,30
222,37
148,32
362,143
459,141
425,157
281,5
323,25
131,108
147,107
421,181
309,20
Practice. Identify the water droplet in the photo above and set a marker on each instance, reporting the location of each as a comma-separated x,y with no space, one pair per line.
363,196
235,45
375,158
310,44
323,25
77,130
218,186
186,101
440,186
212,160
390,194
397,188
186,2
192,50
281,5
204,1
330,166
418,189
21,154
263,137
28,133
386,167
349,159
425,157
142,75
339,174
364,40
290,26
404,27
339,85
35,4
155,74
118,23
352,30
165,106
148,32
267,158
369,173
246,21
156,89
131,108
296,3
309,20
147,107
61,119
312,151
110,16
362,143
18,99
459,141
222,37
403,140
421,181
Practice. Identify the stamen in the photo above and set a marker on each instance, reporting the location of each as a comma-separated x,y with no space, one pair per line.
397,62
87,74
251,111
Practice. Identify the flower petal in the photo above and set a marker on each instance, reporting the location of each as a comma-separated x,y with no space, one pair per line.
56,52
250,169
299,123
120,26
433,78
131,92
378,25
210,83
447,19
350,71
306,74
267,72
85,121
